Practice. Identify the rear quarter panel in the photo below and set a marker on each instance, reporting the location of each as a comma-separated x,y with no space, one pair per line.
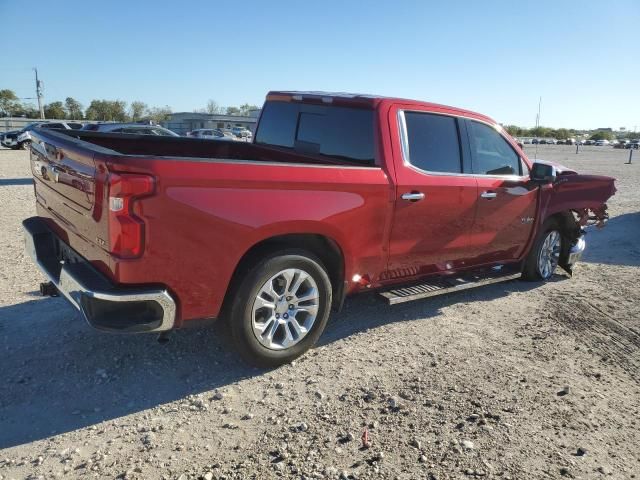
206,214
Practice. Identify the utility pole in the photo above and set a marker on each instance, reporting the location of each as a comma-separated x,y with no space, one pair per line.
537,125
39,94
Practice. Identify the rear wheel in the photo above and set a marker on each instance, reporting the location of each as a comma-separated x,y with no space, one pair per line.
543,259
280,308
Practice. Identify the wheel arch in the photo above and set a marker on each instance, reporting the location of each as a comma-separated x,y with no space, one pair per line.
570,231
325,248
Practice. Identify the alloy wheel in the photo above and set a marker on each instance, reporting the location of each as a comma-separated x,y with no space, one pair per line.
549,254
285,309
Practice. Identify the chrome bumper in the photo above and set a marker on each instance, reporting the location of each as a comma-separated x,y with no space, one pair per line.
103,305
575,254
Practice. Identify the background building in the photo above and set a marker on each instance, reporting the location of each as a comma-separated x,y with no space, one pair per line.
183,122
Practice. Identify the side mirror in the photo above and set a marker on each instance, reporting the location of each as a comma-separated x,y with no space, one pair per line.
543,173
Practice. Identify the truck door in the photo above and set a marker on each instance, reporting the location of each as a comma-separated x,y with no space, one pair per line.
506,199
435,203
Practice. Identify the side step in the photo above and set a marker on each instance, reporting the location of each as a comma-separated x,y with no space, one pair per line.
442,285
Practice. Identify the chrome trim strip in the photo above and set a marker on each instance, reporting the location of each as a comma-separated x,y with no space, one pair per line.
404,143
249,162
73,289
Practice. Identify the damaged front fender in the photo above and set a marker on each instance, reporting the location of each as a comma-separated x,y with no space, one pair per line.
580,201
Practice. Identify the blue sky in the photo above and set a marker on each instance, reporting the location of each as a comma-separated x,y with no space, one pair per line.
496,57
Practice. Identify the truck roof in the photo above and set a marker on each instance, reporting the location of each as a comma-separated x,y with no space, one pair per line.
365,100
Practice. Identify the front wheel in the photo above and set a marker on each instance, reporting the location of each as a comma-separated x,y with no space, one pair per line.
543,259
280,308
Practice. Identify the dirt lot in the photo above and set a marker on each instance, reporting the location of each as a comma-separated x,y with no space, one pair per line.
515,380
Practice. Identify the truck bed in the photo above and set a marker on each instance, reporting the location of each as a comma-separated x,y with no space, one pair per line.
194,148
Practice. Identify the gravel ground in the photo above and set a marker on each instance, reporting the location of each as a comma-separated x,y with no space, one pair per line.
511,381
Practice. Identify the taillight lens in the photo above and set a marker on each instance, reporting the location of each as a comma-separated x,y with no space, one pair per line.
126,231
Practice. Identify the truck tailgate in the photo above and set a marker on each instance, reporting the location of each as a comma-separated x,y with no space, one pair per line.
66,186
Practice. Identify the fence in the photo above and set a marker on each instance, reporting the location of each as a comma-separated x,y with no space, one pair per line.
17,123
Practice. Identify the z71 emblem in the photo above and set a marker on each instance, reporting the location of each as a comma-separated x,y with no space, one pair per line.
527,220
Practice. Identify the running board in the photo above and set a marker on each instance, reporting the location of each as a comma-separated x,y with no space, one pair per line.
442,285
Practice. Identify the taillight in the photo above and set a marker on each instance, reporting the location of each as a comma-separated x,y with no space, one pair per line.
126,231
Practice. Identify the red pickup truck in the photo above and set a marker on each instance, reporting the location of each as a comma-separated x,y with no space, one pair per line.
337,194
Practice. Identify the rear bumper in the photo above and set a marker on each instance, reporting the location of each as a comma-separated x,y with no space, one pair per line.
104,305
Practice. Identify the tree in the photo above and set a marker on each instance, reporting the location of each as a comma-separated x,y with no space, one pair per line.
96,110
513,130
561,133
55,110
213,108
246,109
540,132
601,136
233,111
118,110
111,110
74,109
138,110
9,102
159,114
28,110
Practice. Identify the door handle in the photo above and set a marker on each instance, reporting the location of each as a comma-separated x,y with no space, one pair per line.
489,195
413,196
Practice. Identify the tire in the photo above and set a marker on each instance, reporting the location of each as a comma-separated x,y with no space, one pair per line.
24,145
261,305
542,261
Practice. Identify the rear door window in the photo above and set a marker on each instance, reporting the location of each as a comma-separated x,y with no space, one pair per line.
491,154
432,142
339,132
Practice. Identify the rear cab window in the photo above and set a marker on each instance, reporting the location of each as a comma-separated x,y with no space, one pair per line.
343,133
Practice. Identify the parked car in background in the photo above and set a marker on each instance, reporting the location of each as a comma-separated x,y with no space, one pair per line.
635,144
149,234
535,141
241,132
621,144
24,136
9,139
211,133
601,143
527,141
130,128
590,142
